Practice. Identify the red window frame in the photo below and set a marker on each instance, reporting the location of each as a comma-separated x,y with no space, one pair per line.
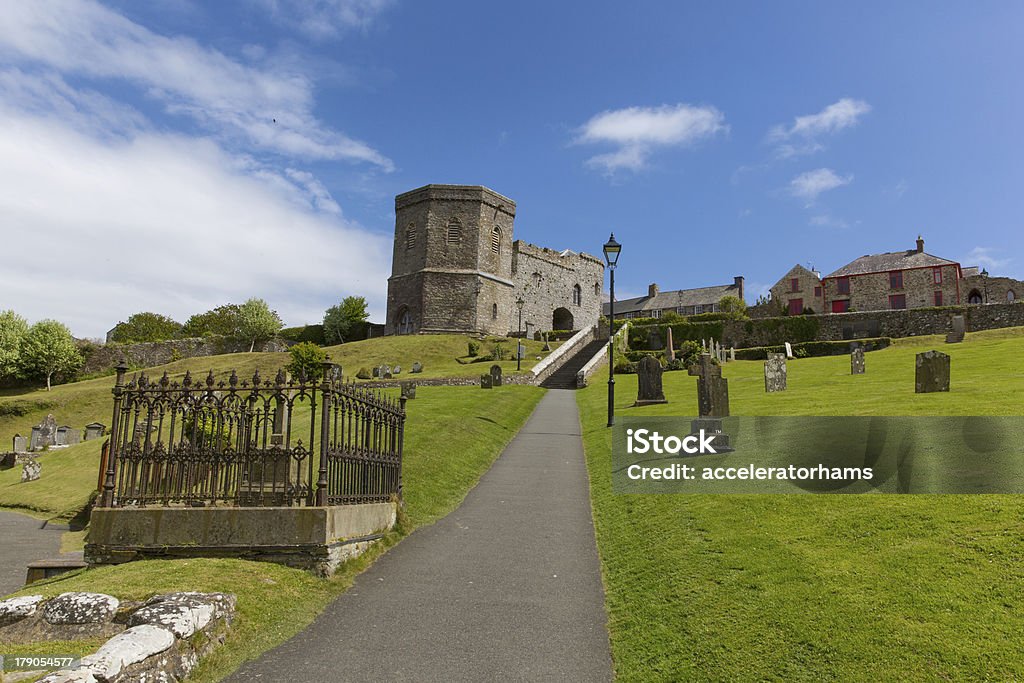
796,307
897,302
843,285
896,279
794,284
938,297
817,291
937,275
841,306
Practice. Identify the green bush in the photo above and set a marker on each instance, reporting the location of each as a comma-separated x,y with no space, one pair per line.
815,349
23,408
473,348
498,351
364,374
304,333
306,360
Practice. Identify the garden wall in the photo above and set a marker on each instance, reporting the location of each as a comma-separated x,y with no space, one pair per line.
149,354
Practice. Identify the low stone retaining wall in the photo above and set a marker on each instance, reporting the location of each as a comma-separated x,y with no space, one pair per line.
147,355
547,367
317,539
161,639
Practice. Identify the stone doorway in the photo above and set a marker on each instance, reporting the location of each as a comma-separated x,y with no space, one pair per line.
562,320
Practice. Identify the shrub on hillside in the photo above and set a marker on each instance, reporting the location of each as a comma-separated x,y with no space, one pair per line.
306,360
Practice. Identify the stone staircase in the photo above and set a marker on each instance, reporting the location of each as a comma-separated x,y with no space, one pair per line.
565,376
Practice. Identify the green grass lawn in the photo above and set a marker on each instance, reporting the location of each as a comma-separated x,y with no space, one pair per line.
453,434
791,587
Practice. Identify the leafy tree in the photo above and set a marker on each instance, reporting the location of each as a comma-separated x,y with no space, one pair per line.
256,322
222,321
733,305
12,331
48,349
145,327
307,359
343,321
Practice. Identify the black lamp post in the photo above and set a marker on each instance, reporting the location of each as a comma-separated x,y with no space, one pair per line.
984,280
519,340
611,256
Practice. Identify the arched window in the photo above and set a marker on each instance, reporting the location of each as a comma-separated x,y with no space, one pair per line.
404,321
454,235
974,297
1010,296
597,289
410,236
577,295
536,279
496,240
494,311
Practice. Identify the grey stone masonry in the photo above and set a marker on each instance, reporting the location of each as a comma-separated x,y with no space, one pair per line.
712,388
30,469
857,361
932,372
20,444
486,382
496,375
408,390
44,434
649,388
95,430
956,335
775,373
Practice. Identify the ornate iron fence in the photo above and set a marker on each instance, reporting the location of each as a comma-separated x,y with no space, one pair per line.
251,443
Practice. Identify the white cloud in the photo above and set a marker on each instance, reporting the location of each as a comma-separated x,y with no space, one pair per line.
828,221
985,258
266,107
810,184
801,137
637,131
95,228
321,19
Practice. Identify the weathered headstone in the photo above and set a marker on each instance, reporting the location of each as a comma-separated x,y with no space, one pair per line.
649,389
68,436
712,388
397,370
547,344
670,352
278,427
732,353
408,389
932,372
20,444
521,350
376,371
417,367
387,375
95,430
775,373
712,402
956,335
789,350
30,469
485,381
495,375
857,361
44,434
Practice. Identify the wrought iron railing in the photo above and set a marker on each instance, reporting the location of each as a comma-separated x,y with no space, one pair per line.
251,443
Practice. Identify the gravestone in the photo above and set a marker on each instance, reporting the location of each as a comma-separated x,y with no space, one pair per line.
932,372
654,342
30,469
649,389
857,361
95,430
485,381
417,368
521,350
712,388
670,352
775,373
397,370
376,371
547,344
387,375
278,427
44,434
959,330
67,436
732,353
789,350
495,375
408,389
712,402
529,330
20,444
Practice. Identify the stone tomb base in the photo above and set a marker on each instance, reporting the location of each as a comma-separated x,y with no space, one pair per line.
712,427
317,539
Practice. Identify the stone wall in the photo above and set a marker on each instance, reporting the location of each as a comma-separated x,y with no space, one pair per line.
546,280
995,290
808,291
871,291
107,356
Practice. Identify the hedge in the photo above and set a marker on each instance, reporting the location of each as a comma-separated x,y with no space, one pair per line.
304,333
815,349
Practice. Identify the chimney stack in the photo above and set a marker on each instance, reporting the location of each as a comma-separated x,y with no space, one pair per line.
738,280
920,245
652,290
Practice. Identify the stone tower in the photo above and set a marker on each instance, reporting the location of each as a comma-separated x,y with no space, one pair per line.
452,265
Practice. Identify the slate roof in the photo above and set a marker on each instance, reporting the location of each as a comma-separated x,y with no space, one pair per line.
701,296
893,260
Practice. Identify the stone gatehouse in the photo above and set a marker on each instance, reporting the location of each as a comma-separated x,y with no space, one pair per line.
456,268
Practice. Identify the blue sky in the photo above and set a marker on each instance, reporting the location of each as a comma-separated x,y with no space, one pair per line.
176,156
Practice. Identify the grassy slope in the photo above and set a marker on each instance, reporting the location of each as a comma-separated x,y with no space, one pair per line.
442,464
778,587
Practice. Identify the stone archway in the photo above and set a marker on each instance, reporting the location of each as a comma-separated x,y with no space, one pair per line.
404,322
562,320
974,297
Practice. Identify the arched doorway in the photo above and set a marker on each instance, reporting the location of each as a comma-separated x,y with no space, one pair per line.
974,297
404,323
562,320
